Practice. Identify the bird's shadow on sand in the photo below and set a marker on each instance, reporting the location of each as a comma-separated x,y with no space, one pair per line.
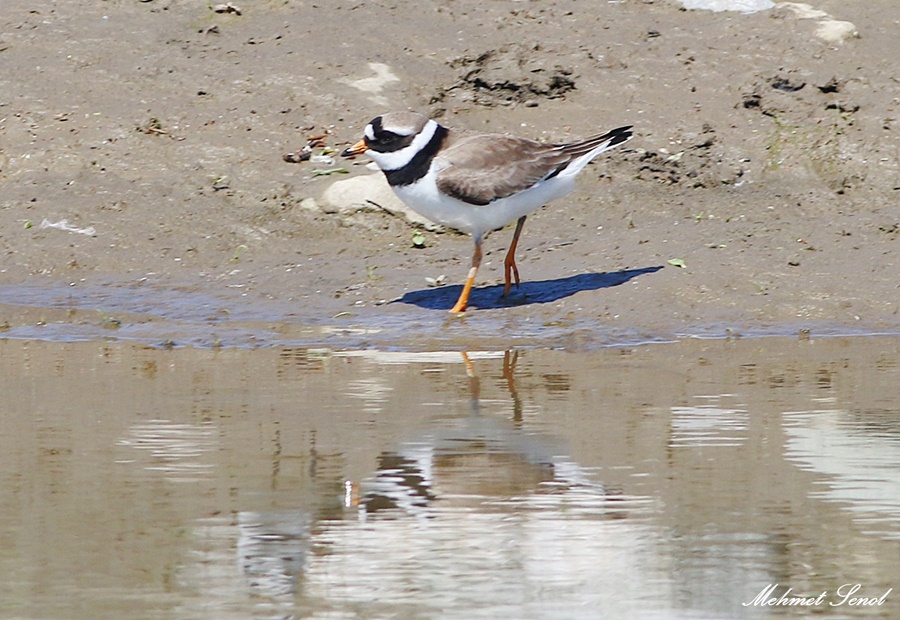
532,292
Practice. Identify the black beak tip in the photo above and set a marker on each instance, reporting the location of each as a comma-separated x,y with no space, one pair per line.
347,153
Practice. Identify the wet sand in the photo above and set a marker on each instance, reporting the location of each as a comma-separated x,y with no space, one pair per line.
147,139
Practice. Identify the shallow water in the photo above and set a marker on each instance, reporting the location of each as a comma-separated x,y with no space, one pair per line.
658,481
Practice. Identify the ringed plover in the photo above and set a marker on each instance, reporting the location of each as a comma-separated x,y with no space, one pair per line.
475,182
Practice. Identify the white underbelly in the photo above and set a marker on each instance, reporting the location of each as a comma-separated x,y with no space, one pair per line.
424,198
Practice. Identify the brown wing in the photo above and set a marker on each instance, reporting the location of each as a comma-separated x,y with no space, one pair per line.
484,167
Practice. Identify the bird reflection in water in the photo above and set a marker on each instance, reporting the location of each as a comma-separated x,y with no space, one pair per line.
485,461
470,460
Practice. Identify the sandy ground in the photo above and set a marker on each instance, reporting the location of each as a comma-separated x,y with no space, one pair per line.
142,144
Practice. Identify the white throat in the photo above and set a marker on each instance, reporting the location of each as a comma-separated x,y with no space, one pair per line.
398,159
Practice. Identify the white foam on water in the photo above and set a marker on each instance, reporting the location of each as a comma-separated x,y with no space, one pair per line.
743,6
829,29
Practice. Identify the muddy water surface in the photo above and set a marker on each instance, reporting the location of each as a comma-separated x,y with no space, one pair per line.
658,481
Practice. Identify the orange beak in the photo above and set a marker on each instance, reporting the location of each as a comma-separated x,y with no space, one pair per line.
357,149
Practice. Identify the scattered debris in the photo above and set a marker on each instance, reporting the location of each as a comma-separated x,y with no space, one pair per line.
832,86
64,225
226,8
752,100
323,173
153,126
786,84
843,108
109,322
298,156
677,262
236,257
435,282
305,153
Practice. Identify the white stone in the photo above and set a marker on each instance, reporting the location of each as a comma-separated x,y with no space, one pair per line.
836,31
802,10
309,204
369,192
829,29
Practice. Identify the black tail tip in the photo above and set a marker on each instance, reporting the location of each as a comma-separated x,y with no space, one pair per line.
620,135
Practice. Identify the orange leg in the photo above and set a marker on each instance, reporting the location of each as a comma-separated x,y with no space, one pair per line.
463,300
509,264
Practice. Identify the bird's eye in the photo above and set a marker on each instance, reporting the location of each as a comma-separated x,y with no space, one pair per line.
376,134
386,137
384,140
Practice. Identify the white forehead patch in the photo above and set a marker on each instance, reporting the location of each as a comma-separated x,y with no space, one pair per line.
370,133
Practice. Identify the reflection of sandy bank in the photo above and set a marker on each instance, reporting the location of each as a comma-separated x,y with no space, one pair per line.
859,457
176,450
